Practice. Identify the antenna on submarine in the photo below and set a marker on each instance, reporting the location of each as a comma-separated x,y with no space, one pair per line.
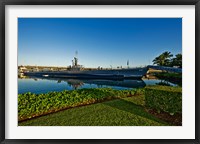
127,63
76,59
76,54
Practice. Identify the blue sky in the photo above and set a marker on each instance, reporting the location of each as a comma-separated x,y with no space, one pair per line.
99,41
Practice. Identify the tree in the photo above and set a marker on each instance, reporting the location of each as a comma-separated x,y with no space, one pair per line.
177,61
164,59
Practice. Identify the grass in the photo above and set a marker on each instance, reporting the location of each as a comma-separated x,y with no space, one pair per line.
119,112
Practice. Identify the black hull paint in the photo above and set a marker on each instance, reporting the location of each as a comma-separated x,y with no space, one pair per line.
81,76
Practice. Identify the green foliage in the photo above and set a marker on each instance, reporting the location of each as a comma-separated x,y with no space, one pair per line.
165,59
164,98
119,112
163,83
175,78
167,75
177,61
32,105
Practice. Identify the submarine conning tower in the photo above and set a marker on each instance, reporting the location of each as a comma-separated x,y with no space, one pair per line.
75,60
75,65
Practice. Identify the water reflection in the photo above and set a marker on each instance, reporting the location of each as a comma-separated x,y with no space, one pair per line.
101,83
44,85
74,83
77,83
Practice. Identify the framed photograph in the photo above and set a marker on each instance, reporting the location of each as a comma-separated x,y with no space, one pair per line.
100,71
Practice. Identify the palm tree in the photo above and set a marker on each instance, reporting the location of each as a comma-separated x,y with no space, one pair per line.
164,59
177,61
167,56
158,61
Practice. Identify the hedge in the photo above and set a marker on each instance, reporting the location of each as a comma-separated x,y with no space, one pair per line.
164,98
32,105
175,78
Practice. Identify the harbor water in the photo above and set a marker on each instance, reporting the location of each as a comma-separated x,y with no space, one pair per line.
39,85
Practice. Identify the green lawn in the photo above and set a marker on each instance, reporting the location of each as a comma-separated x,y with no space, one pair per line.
118,112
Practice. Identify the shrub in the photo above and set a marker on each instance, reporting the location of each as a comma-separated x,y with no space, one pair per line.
175,78
32,105
164,98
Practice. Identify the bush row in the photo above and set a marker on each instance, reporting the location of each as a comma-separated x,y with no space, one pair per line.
175,78
164,98
32,105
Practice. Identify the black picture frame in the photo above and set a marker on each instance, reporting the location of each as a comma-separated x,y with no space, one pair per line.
3,3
